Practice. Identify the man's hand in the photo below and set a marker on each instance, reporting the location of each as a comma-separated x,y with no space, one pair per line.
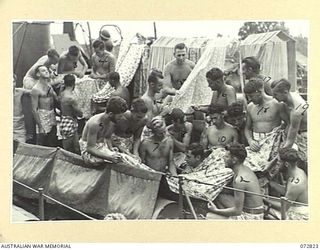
254,145
79,74
211,206
94,76
115,158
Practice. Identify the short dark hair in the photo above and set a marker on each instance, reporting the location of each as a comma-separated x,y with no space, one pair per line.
138,105
281,85
216,109
180,46
98,44
154,75
198,115
238,150
214,74
177,114
115,76
235,109
69,80
52,53
289,155
254,85
116,105
74,50
108,45
197,149
253,63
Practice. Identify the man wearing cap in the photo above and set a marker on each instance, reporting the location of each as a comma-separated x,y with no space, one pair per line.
105,37
296,188
220,133
246,205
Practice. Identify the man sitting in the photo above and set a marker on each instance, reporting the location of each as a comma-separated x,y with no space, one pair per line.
296,188
219,133
121,91
95,143
247,206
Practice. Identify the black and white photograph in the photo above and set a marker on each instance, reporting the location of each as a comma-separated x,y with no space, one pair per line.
159,120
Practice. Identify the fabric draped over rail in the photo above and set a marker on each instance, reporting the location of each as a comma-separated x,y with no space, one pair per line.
120,188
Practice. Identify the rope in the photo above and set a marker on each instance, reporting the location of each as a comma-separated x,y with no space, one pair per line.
54,200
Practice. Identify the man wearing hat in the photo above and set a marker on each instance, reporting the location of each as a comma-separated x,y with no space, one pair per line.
105,37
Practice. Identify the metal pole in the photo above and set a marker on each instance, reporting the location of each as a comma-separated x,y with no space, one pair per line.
155,30
181,215
241,79
284,202
41,204
191,206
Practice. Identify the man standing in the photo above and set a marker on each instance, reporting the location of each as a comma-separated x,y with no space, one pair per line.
69,113
246,205
123,92
103,62
251,69
178,70
68,62
264,114
220,133
42,99
297,132
95,143
296,188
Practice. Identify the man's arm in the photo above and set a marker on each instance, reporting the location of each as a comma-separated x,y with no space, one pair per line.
254,145
182,146
235,136
167,84
35,102
172,168
294,189
143,151
137,140
149,105
293,129
231,95
204,138
238,203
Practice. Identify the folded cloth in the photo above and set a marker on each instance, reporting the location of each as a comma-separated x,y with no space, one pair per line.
89,158
298,213
19,130
126,143
302,143
254,214
47,119
68,127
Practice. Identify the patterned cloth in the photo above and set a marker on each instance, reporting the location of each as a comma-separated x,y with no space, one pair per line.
104,94
68,127
19,130
302,143
89,158
84,90
212,170
270,143
298,213
195,90
47,119
248,216
126,143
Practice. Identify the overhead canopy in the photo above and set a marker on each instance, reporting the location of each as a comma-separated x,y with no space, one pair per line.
276,52
162,50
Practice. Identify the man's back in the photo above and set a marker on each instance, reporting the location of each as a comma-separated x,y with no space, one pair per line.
297,186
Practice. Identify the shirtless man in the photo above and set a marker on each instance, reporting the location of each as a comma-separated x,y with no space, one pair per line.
95,142
220,133
68,62
157,150
42,99
19,130
103,62
130,128
251,69
264,113
155,84
69,113
177,71
123,92
180,130
50,59
296,188
223,94
246,206
297,106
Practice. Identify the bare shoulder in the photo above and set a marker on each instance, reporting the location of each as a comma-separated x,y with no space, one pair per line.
189,126
230,89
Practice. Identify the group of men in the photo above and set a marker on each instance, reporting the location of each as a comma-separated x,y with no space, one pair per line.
138,127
